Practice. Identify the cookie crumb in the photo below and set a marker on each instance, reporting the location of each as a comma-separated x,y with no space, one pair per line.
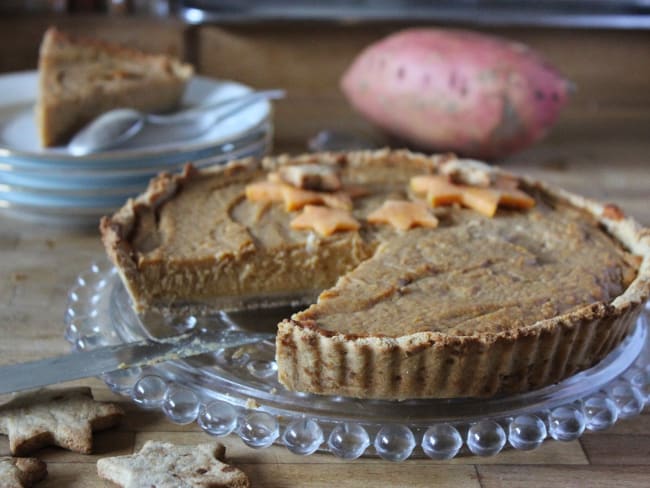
613,212
17,277
252,404
21,472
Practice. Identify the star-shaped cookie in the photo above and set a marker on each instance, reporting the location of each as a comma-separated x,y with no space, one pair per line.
324,220
165,465
403,215
21,472
64,417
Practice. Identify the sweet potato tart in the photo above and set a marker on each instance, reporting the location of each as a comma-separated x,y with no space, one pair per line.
434,276
80,78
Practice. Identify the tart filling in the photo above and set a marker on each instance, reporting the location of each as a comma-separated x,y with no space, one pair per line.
493,285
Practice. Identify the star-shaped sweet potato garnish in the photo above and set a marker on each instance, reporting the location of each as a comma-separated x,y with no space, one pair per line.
483,200
295,198
64,417
21,472
403,215
165,465
264,191
487,200
440,190
324,220
515,198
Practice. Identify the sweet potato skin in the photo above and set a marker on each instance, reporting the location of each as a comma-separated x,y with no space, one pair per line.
456,90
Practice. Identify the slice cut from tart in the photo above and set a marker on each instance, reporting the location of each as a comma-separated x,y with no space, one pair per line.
81,78
417,297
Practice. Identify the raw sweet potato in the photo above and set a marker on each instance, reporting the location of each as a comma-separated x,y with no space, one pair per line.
456,90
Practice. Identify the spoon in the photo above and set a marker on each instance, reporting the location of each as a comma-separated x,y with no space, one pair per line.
115,127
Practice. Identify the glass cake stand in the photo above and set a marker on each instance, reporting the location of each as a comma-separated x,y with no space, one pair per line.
236,391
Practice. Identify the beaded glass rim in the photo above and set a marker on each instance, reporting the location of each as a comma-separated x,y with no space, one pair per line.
236,391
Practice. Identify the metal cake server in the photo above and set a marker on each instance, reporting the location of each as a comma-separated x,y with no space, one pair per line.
84,364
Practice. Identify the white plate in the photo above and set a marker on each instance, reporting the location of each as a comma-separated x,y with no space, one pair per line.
19,141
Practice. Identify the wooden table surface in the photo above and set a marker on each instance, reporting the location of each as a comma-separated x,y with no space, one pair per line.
602,157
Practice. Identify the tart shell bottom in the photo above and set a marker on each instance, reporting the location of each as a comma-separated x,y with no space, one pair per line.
434,365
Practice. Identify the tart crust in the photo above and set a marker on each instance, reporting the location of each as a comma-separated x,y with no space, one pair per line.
429,363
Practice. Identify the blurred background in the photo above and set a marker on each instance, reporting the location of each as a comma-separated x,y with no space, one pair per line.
603,46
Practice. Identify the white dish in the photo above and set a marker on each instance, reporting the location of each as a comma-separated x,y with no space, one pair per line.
19,139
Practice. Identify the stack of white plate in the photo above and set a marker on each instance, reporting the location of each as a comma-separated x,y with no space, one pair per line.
53,185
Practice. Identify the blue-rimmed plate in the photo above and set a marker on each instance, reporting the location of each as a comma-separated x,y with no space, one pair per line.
84,206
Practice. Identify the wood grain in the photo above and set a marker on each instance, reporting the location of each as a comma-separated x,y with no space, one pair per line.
628,449
356,475
524,476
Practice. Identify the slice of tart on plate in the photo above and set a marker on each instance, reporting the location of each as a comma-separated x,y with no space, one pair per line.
81,78
436,277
